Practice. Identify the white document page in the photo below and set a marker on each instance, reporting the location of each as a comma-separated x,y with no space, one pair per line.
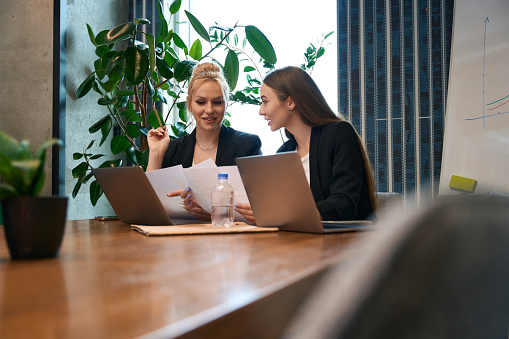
203,180
167,180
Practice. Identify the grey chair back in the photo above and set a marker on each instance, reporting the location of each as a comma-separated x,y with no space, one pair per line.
443,273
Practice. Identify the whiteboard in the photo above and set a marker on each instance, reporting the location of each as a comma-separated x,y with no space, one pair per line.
476,139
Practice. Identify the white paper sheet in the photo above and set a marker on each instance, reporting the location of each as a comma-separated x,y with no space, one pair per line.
167,180
202,179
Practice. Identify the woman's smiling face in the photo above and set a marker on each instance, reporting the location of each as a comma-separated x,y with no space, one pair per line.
207,106
274,110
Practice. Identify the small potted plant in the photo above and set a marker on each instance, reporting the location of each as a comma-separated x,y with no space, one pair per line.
34,226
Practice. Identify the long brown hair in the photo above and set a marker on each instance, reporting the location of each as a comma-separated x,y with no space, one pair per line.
312,108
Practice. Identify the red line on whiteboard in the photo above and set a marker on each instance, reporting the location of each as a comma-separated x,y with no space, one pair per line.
499,105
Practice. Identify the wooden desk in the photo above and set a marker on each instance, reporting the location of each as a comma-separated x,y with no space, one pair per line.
112,282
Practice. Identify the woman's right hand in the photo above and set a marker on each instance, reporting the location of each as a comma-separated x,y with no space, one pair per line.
189,205
158,140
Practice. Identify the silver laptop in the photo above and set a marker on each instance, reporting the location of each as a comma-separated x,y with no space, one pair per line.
280,195
132,196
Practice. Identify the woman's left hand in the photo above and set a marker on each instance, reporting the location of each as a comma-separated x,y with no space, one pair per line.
246,211
189,205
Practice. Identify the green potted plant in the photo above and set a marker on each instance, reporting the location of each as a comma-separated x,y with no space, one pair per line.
34,226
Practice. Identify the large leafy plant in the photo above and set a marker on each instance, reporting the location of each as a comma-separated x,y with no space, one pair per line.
135,72
22,172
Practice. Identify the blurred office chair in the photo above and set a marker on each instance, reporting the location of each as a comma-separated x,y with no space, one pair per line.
442,274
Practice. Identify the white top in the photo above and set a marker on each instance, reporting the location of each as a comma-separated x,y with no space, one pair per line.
305,165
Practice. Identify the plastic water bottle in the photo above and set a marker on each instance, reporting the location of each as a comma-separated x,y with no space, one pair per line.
222,202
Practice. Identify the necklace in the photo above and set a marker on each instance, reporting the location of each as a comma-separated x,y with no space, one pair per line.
205,148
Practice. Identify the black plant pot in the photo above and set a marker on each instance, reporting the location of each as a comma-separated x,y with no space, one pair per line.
34,226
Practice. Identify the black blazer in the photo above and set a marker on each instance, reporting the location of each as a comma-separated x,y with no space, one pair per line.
337,175
232,144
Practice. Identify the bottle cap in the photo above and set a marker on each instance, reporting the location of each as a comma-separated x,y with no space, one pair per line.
222,176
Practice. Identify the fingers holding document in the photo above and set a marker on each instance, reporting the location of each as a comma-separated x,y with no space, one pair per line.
189,205
246,211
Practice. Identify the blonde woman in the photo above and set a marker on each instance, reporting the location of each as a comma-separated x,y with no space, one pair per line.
207,100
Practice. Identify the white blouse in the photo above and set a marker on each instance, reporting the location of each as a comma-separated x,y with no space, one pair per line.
305,165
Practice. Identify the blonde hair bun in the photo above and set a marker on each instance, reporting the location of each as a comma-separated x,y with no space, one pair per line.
207,68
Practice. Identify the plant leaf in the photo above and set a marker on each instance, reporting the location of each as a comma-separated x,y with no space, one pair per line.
151,52
77,156
198,27
170,57
104,102
132,130
163,68
143,130
9,146
320,52
196,50
222,28
160,95
120,32
175,6
99,70
142,158
162,29
102,50
99,38
112,63
90,145
91,35
125,92
152,119
28,169
184,69
135,64
131,115
183,115
38,180
115,77
131,155
150,88
231,66
85,86
111,163
261,44
160,9
95,192
76,188
42,149
105,131
180,43
11,175
328,35
79,169
97,126
143,21
118,144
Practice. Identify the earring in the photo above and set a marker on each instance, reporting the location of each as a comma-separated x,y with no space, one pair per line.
291,111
